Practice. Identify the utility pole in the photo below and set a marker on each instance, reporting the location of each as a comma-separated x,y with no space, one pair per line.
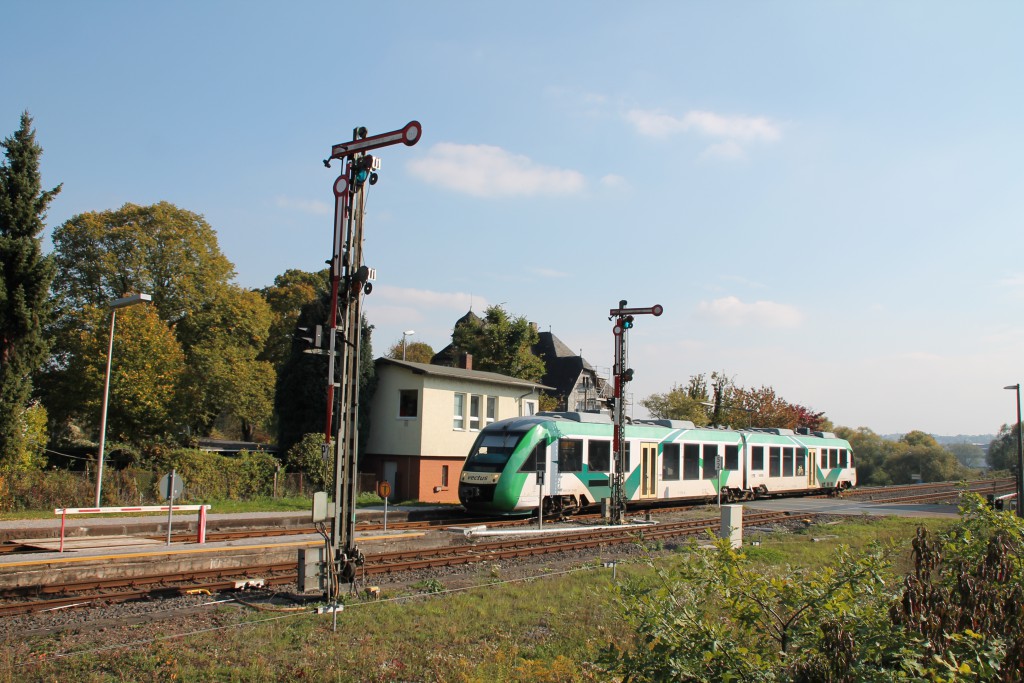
623,324
350,281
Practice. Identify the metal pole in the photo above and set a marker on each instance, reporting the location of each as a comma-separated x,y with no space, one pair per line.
1020,460
170,504
103,413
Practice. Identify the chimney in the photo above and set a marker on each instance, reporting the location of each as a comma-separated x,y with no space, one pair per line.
467,361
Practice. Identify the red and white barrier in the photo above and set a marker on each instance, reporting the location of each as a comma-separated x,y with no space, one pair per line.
64,512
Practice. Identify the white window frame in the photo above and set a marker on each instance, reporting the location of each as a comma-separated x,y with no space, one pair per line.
475,411
459,412
529,408
491,413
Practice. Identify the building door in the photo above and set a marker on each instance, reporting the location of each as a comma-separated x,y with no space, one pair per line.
391,475
648,470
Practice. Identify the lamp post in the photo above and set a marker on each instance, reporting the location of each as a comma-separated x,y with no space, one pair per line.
123,302
1020,455
405,334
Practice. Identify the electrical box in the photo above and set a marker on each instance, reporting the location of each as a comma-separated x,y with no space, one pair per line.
320,512
311,570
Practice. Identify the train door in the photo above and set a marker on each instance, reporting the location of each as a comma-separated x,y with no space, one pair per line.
812,468
648,470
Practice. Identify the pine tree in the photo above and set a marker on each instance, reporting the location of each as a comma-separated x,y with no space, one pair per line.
25,277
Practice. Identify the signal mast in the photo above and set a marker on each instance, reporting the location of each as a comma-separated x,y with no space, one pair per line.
623,324
350,280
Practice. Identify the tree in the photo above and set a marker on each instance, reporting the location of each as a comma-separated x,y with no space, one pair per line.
501,344
871,452
1003,451
677,404
415,352
290,292
146,376
25,277
162,250
223,340
969,454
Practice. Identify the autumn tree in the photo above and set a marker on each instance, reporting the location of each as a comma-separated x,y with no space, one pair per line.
678,403
414,352
224,339
147,371
173,255
25,277
290,292
500,343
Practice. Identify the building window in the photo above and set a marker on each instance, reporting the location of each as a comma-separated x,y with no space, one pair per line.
529,407
757,458
408,403
459,412
670,462
444,476
600,455
492,409
474,412
570,455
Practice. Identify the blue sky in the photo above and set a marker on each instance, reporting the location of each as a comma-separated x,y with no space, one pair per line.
826,197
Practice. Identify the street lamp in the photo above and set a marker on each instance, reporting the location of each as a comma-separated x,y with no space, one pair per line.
123,302
405,334
1020,455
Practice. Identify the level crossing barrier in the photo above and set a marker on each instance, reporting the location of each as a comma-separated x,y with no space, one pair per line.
201,535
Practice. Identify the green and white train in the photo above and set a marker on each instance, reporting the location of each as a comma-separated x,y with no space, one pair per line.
564,461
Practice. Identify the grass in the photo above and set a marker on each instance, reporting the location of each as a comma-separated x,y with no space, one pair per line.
549,628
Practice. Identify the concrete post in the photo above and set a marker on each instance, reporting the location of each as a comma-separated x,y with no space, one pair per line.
732,525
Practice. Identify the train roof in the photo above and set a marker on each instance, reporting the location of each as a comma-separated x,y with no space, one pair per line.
764,435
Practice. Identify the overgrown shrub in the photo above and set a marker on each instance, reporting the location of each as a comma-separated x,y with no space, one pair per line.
46,489
209,476
307,456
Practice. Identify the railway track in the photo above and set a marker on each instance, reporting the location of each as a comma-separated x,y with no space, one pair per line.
108,591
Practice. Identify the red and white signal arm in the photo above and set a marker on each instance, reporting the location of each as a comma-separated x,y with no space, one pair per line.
408,135
384,489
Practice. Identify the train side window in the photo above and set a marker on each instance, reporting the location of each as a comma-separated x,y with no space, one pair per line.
801,462
851,458
625,459
691,461
787,462
774,461
710,453
833,458
757,458
670,462
537,462
732,458
842,457
570,455
600,455
824,458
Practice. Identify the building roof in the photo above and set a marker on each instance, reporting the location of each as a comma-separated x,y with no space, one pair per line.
461,373
563,364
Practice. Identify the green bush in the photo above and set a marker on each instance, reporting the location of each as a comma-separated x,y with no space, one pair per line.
209,476
307,456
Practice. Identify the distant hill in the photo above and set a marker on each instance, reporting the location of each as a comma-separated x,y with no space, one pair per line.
982,440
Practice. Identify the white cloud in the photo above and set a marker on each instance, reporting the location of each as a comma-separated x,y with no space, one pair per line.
732,312
311,206
424,298
1014,282
615,182
730,150
488,171
657,123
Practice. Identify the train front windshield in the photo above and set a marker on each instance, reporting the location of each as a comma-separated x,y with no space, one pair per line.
492,450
